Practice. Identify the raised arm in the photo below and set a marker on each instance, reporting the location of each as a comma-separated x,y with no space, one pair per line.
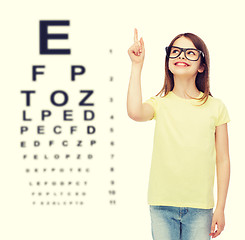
136,110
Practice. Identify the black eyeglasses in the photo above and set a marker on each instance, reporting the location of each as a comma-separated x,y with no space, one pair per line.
191,54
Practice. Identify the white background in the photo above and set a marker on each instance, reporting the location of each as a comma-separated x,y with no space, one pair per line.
95,27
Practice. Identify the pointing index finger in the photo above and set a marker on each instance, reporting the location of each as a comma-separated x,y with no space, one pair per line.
135,35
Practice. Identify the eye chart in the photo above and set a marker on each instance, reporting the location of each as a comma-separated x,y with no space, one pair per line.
59,169
70,161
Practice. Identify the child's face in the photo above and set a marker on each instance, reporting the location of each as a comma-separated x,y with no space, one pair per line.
193,66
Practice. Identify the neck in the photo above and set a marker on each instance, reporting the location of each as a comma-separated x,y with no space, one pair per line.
186,84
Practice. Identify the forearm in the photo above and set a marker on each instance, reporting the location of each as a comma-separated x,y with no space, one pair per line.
134,98
223,178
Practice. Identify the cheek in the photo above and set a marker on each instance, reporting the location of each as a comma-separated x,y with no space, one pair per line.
170,65
199,66
199,63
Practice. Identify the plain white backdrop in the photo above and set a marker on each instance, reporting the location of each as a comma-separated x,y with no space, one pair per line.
95,27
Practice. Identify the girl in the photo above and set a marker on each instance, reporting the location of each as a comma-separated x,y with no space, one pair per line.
190,139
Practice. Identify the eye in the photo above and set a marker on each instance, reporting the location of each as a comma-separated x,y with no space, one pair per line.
175,50
192,52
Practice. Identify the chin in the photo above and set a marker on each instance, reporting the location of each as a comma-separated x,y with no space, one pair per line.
180,71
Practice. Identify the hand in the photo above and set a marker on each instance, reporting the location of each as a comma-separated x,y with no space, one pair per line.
137,50
219,219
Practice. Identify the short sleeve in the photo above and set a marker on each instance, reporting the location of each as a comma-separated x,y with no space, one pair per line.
222,114
153,101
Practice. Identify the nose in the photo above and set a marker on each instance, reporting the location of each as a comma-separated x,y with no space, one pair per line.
182,55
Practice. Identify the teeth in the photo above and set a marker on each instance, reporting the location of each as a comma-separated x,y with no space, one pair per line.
181,64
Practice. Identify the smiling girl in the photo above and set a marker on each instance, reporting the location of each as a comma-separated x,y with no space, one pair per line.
190,139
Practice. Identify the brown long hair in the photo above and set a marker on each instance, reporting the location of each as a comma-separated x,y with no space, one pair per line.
202,79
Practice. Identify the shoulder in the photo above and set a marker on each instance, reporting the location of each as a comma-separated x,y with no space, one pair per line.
220,110
153,99
216,102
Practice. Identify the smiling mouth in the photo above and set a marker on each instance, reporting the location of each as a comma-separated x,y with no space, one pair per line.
181,65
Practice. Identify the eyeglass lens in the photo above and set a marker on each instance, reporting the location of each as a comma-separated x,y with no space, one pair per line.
191,54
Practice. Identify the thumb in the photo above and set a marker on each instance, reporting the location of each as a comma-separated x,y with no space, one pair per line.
141,40
213,227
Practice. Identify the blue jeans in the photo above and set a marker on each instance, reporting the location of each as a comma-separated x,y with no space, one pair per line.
180,223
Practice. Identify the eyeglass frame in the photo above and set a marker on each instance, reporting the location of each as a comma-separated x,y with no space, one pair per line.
184,50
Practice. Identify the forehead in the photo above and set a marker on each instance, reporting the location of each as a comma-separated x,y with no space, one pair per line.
184,42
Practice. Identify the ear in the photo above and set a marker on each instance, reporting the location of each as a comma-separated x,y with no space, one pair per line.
201,68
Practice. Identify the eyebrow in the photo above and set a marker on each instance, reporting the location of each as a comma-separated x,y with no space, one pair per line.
186,48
